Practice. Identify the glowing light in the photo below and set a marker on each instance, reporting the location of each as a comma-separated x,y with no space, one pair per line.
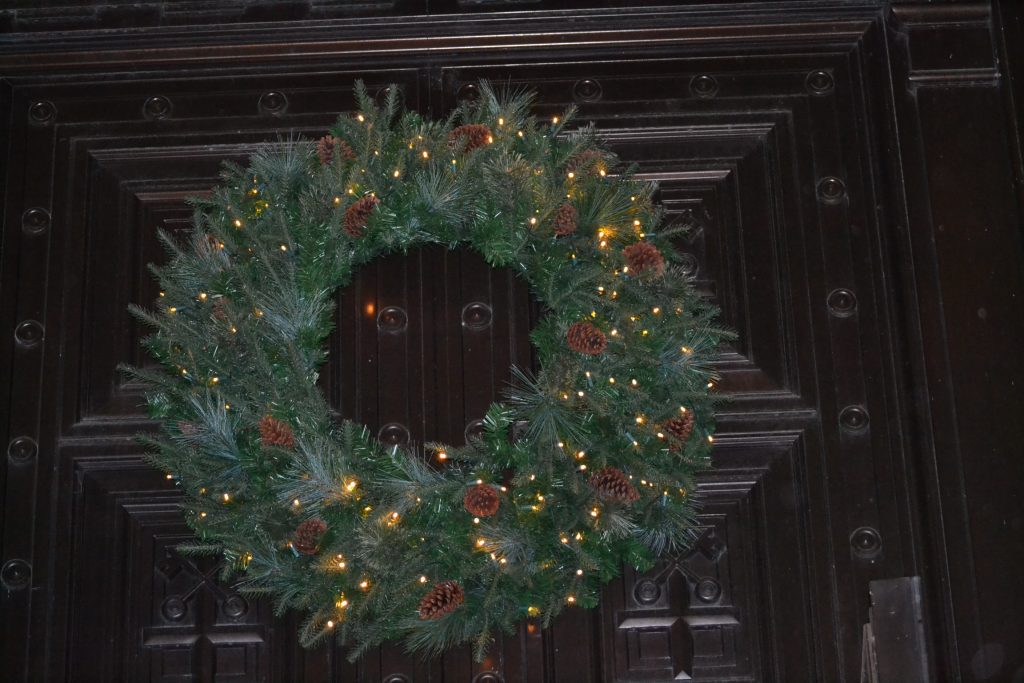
364,584
519,133
571,600
396,173
533,611
579,572
284,247
611,380
580,394
172,310
202,514
227,498
202,296
360,118
639,419
554,120
351,485
296,503
476,520
594,512
426,154
656,311
423,579
480,543
571,175
441,455
234,330
614,332
163,293
533,220
564,540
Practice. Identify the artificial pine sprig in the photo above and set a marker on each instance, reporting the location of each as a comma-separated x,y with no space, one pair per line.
446,545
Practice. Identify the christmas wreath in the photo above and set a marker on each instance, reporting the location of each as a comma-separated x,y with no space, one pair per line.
588,464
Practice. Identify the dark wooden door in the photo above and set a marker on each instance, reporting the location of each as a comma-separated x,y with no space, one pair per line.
851,171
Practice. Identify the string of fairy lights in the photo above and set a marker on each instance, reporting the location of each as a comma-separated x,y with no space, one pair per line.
537,495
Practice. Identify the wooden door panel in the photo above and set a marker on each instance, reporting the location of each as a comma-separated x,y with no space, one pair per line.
806,148
763,165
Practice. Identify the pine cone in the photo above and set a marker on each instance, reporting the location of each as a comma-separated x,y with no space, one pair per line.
680,427
565,220
481,500
472,135
220,308
586,161
644,256
442,599
274,432
326,147
187,428
358,213
610,482
585,338
308,535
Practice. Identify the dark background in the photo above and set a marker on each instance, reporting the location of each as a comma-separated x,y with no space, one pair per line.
852,174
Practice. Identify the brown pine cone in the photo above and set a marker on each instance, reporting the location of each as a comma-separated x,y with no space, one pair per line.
472,135
644,257
442,599
680,427
565,220
586,161
220,308
187,428
274,432
585,338
307,536
326,147
358,213
610,482
481,500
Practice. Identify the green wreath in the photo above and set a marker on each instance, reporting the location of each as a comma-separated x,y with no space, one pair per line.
444,546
